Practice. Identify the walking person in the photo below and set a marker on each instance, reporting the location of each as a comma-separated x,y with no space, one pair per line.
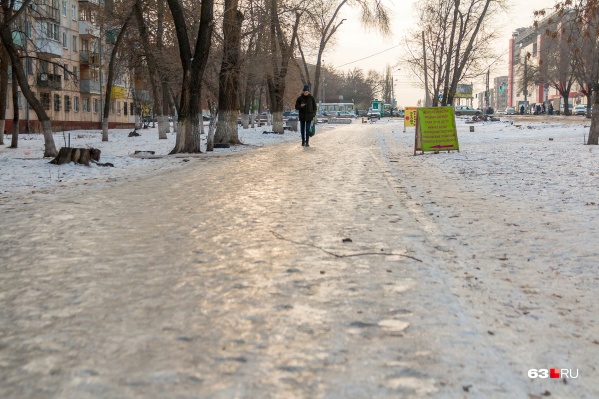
306,106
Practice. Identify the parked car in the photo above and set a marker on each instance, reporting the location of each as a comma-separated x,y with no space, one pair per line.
466,110
579,110
290,114
510,111
345,114
373,113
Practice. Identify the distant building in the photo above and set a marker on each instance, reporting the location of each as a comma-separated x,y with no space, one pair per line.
535,42
61,45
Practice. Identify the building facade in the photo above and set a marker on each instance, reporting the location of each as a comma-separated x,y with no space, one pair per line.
63,50
529,50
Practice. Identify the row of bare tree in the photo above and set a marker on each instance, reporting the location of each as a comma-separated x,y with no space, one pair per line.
453,41
247,46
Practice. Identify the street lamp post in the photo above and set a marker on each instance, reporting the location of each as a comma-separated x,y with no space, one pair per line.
393,101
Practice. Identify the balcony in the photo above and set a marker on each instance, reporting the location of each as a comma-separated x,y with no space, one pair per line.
90,86
45,46
49,80
89,58
44,11
88,29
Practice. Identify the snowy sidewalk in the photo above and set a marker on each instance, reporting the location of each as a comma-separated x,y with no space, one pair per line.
346,269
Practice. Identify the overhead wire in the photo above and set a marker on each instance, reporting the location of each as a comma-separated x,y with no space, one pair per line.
370,56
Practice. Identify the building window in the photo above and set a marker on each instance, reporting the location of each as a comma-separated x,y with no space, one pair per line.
67,103
74,43
29,66
534,49
131,109
65,40
74,13
96,105
76,104
75,73
53,31
118,108
85,104
125,108
56,102
66,72
45,99
19,99
64,8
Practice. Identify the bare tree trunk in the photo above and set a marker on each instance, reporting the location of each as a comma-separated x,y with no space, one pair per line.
19,74
281,54
152,69
15,119
4,61
594,130
175,121
226,129
212,126
164,125
193,66
110,78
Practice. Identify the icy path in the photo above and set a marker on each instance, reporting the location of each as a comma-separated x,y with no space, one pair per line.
230,279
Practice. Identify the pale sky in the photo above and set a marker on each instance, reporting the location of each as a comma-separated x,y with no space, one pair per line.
355,42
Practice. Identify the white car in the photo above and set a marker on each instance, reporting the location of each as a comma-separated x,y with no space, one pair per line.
373,113
345,114
580,110
466,110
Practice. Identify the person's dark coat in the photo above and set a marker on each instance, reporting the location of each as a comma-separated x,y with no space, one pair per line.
307,112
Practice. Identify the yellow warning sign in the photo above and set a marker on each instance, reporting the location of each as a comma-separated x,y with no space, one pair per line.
409,118
436,130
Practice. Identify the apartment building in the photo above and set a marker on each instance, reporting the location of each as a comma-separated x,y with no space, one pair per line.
529,48
63,50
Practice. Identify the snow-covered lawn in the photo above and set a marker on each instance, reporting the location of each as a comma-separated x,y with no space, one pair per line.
25,170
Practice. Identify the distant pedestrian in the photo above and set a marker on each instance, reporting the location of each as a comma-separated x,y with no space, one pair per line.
550,109
306,106
544,108
522,109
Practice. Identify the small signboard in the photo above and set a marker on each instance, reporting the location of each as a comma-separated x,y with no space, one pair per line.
436,130
409,118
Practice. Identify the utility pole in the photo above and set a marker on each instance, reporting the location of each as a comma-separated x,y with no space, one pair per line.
525,80
487,91
427,99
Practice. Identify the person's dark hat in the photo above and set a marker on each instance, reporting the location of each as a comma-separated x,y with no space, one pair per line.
306,88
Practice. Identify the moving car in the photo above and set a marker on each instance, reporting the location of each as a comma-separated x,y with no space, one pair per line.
579,110
510,111
466,110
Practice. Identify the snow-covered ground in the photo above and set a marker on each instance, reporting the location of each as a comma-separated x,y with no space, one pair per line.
516,158
25,170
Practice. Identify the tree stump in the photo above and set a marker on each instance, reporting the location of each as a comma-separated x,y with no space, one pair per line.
77,155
